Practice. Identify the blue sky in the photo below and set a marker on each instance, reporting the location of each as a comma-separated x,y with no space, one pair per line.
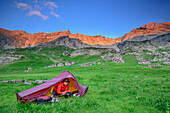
110,18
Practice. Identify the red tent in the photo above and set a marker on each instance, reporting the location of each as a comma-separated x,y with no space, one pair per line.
45,89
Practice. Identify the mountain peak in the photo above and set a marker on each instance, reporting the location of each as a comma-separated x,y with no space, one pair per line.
22,39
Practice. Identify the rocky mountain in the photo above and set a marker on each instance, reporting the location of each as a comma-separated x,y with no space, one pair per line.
65,41
148,42
21,39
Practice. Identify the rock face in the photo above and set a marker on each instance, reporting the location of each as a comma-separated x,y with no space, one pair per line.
150,42
90,52
7,58
22,39
66,41
148,29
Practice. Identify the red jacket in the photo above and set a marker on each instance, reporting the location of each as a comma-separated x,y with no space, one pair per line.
60,88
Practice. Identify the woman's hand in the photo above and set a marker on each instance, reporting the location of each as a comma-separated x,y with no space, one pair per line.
64,92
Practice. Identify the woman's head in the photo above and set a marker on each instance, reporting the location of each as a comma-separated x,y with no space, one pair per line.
66,81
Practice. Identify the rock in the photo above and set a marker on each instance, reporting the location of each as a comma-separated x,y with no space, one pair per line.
168,55
26,82
157,64
134,53
160,59
45,80
86,64
144,62
4,81
107,58
28,69
166,63
69,63
164,53
60,64
54,65
66,53
16,81
90,52
158,54
148,53
149,66
99,63
117,59
8,58
38,81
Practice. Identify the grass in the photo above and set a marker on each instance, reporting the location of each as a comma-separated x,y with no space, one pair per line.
112,87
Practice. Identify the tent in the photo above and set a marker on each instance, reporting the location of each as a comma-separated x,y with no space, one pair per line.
45,89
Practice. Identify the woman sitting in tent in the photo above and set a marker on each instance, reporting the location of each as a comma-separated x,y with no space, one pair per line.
60,89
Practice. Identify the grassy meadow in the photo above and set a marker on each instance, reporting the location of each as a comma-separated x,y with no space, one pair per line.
113,88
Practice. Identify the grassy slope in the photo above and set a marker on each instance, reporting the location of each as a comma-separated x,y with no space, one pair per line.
112,87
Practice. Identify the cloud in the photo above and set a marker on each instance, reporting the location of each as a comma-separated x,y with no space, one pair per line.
23,6
54,14
38,13
51,5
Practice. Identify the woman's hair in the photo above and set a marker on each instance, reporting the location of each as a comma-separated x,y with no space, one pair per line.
66,80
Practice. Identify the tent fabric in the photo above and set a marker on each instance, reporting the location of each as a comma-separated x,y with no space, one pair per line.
45,88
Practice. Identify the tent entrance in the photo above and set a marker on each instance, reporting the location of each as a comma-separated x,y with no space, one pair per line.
71,87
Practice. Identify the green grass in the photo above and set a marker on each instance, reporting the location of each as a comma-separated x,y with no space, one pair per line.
112,87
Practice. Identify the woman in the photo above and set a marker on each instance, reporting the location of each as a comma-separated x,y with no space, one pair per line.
60,89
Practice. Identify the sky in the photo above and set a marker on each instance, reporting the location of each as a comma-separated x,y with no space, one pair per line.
110,18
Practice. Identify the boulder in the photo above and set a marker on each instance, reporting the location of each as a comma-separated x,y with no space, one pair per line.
144,62
157,64
66,53
60,64
4,81
117,59
107,58
160,59
69,63
26,82
90,52
166,63
99,63
54,65
164,53
16,81
38,81
86,64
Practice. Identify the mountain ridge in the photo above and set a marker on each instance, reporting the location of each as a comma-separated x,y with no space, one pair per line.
22,39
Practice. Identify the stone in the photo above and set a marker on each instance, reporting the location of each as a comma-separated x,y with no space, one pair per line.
54,65
99,63
107,58
66,53
166,63
144,62
16,81
86,64
4,81
45,80
117,59
164,53
160,59
90,52
60,64
168,55
67,64
26,82
38,81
